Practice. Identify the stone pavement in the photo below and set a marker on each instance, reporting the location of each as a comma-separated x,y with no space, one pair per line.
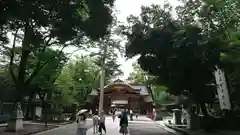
192,132
111,127
140,126
69,129
145,126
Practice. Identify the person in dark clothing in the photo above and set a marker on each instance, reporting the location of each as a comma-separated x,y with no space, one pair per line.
123,123
102,123
113,114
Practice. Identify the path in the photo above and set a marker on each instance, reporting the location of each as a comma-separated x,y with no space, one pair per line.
69,129
112,128
145,126
141,126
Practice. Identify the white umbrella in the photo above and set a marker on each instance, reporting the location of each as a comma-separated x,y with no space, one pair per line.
82,111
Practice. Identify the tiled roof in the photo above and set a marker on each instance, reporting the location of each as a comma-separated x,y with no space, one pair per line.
140,88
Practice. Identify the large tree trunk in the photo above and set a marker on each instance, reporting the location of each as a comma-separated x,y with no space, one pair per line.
44,114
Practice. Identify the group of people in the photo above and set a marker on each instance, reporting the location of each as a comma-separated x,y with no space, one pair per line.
99,122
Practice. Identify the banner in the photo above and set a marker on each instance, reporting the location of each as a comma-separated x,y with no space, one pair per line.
222,90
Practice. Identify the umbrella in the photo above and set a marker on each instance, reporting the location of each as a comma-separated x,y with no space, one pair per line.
82,111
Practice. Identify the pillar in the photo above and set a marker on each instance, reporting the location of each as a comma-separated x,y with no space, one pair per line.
177,116
129,103
15,123
1,107
193,121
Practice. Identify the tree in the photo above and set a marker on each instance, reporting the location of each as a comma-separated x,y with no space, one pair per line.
219,18
159,92
108,50
138,76
6,86
45,23
77,79
181,56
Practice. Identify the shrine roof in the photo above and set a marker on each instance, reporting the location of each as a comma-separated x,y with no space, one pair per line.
142,89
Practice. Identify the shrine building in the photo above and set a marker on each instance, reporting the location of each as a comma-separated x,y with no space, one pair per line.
137,97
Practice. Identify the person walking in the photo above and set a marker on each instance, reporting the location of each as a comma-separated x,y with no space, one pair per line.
102,123
81,123
95,122
124,123
137,113
131,115
113,114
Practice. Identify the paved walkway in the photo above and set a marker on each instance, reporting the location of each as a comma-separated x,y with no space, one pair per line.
140,126
145,126
193,132
69,129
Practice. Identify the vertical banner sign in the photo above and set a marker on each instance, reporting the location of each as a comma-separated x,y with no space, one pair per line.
222,90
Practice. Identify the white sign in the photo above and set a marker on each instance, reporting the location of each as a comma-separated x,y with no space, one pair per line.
120,102
222,90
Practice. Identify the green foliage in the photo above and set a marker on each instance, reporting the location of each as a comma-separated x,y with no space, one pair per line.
219,18
181,56
63,18
46,23
137,77
159,93
108,51
50,71
6,86
76,81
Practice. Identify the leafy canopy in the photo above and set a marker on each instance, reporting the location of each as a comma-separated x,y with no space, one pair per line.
181,56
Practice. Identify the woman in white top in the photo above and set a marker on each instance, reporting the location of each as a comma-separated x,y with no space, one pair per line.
81,124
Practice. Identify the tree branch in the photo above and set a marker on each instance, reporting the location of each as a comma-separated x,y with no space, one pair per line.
12,58
40,66
24,57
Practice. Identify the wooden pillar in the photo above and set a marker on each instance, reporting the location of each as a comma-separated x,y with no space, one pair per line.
129,103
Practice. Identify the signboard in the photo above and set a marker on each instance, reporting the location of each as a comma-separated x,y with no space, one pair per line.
222,90
120,102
